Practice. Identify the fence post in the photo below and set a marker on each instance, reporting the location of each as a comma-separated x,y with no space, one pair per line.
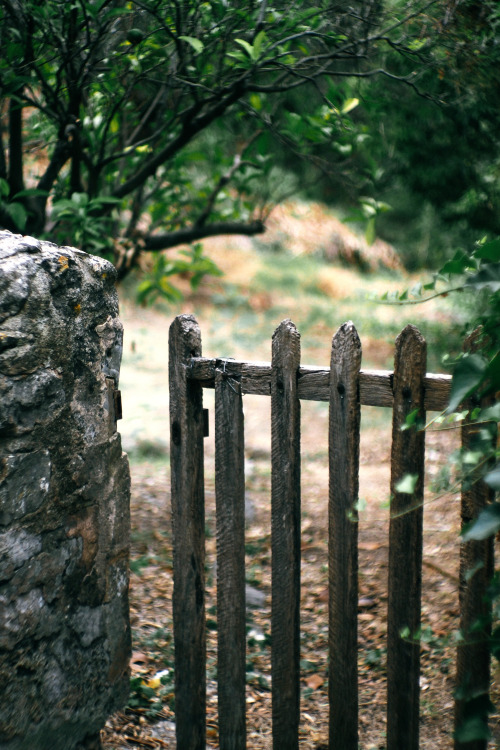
188,518
405,544
473,655
285,536
343,537
230,521
476,571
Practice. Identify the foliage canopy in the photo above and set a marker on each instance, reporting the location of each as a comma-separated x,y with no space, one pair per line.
139,126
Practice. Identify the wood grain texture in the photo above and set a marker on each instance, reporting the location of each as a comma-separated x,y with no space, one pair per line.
188,518
314,382
344,424
285,537
405,545
473,655
230,524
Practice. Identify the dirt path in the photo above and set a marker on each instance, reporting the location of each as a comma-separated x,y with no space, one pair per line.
151,595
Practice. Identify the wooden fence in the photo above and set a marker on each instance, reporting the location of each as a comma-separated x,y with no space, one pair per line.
346,387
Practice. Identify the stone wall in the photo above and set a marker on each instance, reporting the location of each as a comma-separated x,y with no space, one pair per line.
64,499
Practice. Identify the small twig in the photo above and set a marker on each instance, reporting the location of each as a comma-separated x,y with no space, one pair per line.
440,570
418,301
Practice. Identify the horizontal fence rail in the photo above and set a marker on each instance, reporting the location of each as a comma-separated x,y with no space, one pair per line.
346,387
375,386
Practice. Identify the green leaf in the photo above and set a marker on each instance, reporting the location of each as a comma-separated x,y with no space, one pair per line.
196,44
4,188
417,44
360,504
17,212
492,478
489,251
407,484
247,47
487,524
104,199
31,192
467,376
471,458
458,264
256,101
492,374
258,42
487,278
349,105
80,199
492,412
410,420
473,728
370,231
238,56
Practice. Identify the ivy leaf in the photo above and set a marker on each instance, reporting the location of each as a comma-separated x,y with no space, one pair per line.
196,44
474,728
458,264
492,478
491,412
487,278
486,524
467,376
407,484
492,374
489,251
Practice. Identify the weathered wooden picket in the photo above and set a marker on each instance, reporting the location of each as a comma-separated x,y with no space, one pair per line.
346,387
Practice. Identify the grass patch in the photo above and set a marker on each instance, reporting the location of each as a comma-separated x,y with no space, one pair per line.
147,450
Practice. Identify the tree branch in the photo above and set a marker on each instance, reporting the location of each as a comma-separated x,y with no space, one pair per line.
16,181
192,234
190,128
226,178
3,162
60,156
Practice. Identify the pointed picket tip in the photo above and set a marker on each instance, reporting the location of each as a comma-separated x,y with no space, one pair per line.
410,353
346,349
185,328
286,326
347,333
410,333
286,344
184,322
